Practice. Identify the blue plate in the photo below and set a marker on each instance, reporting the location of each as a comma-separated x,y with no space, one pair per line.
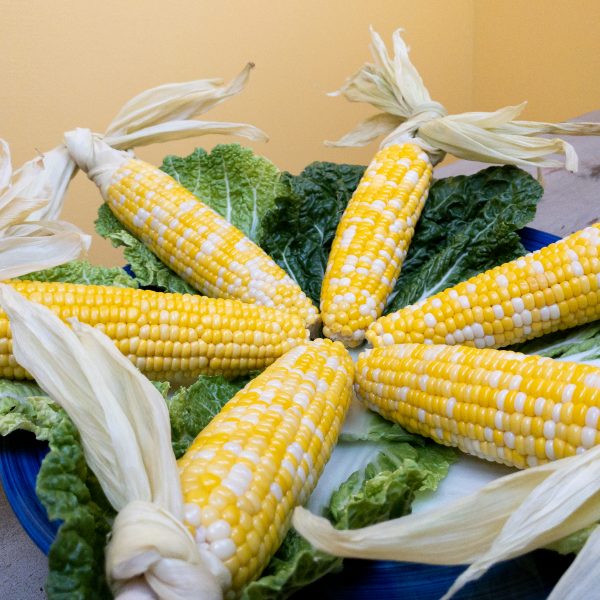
21,456
528,577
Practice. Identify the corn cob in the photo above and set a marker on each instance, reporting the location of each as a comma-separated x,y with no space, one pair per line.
554,288
372,239
262,456
198,244
189,237
172,337
495,404
377,228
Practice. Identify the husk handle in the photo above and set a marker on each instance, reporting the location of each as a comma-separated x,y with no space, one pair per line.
125,432
393,85
160,114
28,244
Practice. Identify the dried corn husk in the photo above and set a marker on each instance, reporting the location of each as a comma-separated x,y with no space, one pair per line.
125,432
506,518
159,114
28,245
394,86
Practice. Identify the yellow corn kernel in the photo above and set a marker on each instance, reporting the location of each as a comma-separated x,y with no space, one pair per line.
551,289
143,325
499,405
372,239
262,455
198,244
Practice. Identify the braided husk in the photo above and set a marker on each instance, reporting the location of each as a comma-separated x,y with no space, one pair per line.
394,86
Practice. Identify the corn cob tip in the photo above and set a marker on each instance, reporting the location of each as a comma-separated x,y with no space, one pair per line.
315,328
353,340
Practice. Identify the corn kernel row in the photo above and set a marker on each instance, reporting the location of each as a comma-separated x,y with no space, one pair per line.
372,239
554,288
503,406
262,455
172,337
198,244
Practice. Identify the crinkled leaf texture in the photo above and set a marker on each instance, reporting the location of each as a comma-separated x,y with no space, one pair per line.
469,224
581,344
240,185
30,241
299,232
23,405
81,271
70,492
191,409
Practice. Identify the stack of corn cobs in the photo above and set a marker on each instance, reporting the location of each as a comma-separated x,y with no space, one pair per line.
433,367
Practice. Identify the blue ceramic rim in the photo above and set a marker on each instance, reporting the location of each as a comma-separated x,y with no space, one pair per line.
534,239
21,455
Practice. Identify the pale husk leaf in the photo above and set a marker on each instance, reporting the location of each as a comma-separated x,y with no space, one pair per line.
178,130
124,426
165,113
20,255
5,164
160,114
490,137
393,85
25,191
581,579
536,127
367,131
508,517
15,209
175,102
565,502
27,244
60,169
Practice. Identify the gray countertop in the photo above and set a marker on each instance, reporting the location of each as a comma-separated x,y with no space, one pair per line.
570,202
23,567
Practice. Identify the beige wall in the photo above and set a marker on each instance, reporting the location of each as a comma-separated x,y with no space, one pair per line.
68,63
544,51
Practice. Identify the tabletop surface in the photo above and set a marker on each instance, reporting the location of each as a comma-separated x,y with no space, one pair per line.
570,202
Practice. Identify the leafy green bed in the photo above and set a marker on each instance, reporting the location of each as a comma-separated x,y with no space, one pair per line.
469,224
